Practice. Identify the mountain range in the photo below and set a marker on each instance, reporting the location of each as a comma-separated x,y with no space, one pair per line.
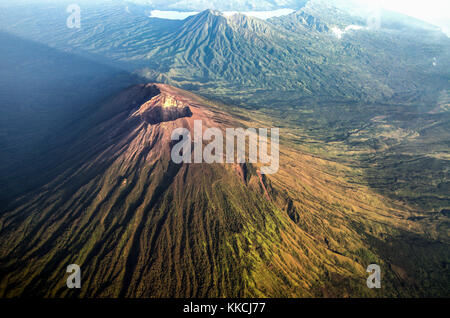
299,54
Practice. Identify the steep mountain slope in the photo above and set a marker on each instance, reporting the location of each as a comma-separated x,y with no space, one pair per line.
141,226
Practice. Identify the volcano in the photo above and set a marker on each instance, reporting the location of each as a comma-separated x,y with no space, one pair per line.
140,225
136,223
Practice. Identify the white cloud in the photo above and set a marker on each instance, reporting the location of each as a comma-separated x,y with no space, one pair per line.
436,12
178,15
339,33
172,15
262,14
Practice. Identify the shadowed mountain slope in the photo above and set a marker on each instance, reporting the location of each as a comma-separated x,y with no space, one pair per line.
43,92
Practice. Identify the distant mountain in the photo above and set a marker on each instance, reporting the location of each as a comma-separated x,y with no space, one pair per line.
212,49
300,52
343,13
323,51
318,15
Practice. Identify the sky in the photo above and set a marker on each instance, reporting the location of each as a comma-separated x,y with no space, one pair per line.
436,12
425,9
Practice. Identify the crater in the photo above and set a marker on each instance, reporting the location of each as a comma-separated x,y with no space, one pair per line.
163,107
